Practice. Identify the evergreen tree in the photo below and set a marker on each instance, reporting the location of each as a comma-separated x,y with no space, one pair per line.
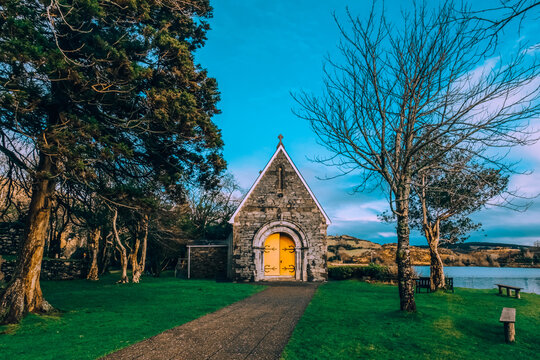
444,198
101,86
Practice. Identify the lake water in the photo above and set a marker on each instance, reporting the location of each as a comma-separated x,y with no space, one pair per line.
479,277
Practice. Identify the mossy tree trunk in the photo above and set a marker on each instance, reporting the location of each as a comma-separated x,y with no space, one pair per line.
138,264
23,293
403,256
93,272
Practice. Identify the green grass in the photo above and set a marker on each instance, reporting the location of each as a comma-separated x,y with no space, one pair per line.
100,317
356,320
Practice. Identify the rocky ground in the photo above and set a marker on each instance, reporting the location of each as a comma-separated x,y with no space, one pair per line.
347,249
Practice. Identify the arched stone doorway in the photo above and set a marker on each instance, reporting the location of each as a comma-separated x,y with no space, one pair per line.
279,252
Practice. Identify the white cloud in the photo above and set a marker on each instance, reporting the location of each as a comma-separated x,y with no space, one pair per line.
359,212
528,185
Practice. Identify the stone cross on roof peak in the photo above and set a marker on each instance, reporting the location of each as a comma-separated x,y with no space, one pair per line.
280,137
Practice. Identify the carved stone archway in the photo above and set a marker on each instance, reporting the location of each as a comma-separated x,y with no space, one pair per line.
300,242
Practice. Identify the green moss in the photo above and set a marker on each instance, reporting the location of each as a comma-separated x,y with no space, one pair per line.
356,320
100,317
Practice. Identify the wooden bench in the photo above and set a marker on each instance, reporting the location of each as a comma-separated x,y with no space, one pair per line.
508,318
508,290
449,284
423,283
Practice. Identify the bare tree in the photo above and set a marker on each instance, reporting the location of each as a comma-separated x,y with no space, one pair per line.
211,210
396,90
505,12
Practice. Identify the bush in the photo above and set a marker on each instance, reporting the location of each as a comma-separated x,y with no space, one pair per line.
340,272
373,271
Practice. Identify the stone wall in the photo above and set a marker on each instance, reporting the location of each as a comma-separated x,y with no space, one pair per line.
209,262
10,233
279,198
52,269
2,276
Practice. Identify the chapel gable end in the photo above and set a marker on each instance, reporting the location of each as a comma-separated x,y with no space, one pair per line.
280,190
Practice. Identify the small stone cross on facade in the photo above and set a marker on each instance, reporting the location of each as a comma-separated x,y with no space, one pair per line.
280,137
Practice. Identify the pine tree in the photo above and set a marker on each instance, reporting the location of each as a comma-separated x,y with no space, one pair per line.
101,87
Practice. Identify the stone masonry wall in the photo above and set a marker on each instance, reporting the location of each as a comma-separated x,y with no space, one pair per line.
208,262
51,269
273,200
10,233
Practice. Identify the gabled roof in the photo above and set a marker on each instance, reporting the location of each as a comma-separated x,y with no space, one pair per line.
280,148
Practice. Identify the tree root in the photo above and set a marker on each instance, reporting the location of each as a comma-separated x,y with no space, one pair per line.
14,304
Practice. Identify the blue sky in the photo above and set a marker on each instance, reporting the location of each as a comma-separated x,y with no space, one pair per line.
260,52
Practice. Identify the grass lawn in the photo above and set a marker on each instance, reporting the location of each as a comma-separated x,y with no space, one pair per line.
357,320
100,317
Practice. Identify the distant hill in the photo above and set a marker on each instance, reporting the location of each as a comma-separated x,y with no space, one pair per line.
485,245
348,249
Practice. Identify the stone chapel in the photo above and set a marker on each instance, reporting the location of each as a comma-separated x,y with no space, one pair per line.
279,229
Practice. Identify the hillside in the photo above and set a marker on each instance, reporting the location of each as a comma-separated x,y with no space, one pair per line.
348,249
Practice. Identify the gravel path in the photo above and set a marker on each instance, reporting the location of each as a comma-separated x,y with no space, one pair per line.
258,327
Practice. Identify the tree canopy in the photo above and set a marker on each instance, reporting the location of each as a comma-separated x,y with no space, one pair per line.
101,91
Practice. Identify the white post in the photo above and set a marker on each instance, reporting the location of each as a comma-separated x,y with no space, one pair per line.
189,262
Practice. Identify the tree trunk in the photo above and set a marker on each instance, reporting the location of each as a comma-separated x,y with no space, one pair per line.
124,264
121,249
136,273
403,256
436,269
106,253
94,251
138,266
23,293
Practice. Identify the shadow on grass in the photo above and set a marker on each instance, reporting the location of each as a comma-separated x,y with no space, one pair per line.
100,317
351,319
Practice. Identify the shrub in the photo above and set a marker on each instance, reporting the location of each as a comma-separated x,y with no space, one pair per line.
373,271
340,272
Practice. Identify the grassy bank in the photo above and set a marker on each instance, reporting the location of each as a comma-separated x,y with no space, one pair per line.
356,320
100,317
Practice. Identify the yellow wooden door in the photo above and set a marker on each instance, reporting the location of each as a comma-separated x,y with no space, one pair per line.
287,256
271,255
